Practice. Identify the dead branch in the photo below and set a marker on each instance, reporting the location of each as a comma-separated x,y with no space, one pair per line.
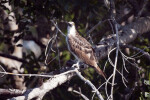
50,84
128,34
8,93
54,82
146,54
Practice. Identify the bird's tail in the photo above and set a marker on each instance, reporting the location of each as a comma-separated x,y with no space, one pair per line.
99,71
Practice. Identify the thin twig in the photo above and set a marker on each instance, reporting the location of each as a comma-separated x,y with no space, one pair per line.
107,81
58,50
143,7
146,54
3,70
93,28
113,12
38,75
58,28
110,61
123,79
81,94
126,58
106,84
116,59
90,84
105,65
124,65
50,47
111,26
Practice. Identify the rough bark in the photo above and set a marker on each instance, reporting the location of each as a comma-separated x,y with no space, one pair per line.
126,35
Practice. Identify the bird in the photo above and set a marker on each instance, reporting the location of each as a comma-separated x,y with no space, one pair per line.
81,49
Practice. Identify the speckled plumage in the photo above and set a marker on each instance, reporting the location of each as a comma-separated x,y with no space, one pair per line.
81,48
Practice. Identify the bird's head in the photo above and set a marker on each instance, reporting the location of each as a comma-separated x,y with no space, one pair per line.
70,24
71,28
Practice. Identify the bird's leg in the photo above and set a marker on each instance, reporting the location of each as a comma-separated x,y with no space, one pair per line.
76,64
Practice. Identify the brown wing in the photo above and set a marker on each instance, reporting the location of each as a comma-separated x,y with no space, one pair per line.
83,49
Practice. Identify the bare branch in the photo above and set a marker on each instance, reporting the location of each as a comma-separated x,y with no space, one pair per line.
113,13
82,95
8,93
128,34
93,28
90,84
146,54
78,92
46,86
52,83
143,7
58,28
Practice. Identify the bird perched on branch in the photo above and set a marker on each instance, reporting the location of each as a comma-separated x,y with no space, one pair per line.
81,48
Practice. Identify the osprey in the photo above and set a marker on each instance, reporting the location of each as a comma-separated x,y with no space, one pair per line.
81,48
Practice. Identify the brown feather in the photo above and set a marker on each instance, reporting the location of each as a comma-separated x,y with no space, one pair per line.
84,51
99,71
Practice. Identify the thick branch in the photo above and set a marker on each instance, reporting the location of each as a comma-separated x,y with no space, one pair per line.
53,82
7,93
50,84
128,34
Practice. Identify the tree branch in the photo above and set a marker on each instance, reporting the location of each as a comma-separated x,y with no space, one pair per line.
146,54
53,82
128,34
8,93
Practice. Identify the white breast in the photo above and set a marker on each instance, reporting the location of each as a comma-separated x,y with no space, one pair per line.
71,31
69,47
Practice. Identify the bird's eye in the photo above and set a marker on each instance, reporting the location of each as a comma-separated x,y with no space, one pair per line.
69,24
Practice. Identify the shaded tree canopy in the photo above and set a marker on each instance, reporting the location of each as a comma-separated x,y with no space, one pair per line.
118,30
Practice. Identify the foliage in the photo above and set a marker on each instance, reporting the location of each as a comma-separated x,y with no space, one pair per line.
33,18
